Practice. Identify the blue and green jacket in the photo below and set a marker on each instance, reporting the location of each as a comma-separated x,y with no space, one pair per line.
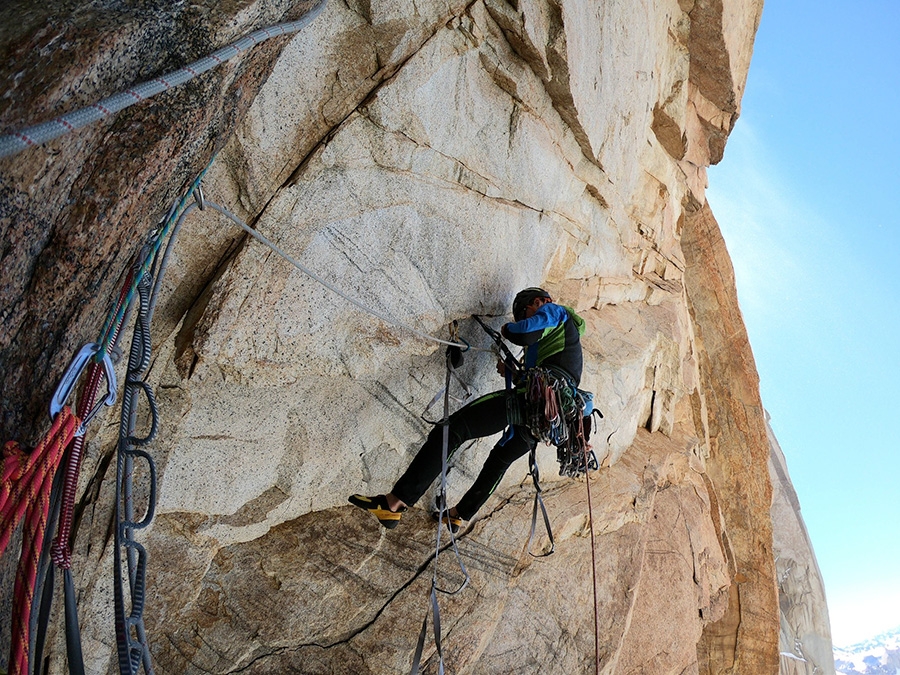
551,337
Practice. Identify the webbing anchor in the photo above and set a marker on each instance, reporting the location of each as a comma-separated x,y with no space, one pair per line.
70,379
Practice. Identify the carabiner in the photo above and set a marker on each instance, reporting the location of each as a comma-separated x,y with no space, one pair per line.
197,194
70,379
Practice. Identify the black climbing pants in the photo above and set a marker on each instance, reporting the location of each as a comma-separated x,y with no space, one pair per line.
484,416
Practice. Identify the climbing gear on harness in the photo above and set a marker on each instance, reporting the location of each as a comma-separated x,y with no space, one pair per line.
555,411
379,508
526,297
41,133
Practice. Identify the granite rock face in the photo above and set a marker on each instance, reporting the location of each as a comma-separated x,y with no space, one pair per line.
429,159
805,635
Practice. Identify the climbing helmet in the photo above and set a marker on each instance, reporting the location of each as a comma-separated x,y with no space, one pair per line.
525,298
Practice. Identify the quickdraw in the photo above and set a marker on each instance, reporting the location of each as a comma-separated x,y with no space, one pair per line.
510,362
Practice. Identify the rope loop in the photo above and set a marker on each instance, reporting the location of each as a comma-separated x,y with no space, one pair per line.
154,413
14,459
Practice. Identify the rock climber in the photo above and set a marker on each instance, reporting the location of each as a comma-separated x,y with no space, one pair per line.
551,335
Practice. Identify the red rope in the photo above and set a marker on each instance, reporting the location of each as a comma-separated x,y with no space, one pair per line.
61,550
587,481
25,495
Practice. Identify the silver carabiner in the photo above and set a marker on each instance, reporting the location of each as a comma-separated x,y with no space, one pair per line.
70,379
199,197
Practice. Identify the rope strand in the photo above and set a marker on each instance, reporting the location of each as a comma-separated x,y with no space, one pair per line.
300,266
587,482
37,134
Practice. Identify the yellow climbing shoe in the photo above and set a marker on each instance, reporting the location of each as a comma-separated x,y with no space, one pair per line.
453,523
379,508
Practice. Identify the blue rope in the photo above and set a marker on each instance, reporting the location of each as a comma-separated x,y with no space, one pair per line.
116,315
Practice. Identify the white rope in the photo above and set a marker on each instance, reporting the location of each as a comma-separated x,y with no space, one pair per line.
17,141
300,266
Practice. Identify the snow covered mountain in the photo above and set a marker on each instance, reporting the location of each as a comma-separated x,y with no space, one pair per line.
878,656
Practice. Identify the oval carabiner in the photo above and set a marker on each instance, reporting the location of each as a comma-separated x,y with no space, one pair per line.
70,379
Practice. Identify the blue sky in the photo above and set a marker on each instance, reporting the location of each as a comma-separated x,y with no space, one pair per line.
807,197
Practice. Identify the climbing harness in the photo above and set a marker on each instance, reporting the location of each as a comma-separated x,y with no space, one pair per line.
453,360
554,412
17,141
